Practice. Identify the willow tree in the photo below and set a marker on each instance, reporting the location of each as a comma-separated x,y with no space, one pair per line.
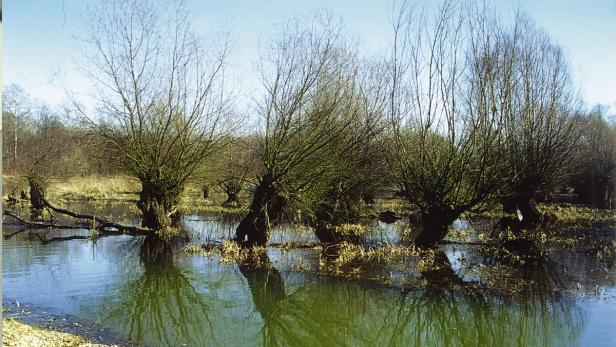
161,95
309,83
541,115
361,170
445,153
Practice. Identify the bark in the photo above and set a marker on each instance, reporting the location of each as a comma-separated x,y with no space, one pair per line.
435,225
265,211
157,203
37,193
511,220
531,216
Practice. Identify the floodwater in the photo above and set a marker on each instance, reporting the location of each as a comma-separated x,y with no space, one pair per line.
178,299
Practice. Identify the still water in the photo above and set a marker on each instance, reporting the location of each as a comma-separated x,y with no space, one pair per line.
194,301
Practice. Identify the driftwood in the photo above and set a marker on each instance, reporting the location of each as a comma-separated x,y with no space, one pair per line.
39,225
103,224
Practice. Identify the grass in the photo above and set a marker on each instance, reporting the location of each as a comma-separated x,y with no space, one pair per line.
230,252
566,213
18,334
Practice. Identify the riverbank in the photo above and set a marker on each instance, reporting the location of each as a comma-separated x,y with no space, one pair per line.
26,325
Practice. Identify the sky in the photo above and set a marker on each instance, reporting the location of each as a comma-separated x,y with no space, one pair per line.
42,50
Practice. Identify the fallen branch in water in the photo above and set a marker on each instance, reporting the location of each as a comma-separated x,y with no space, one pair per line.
103,223
39,225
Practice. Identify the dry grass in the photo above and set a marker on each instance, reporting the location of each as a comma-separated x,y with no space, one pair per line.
17,334
230,252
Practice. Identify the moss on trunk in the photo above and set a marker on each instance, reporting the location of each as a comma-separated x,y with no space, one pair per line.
157,202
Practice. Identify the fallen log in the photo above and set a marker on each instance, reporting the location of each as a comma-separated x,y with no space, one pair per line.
39,225
103,223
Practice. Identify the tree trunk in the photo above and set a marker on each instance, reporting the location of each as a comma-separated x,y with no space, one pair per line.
157,203
435,225
510,220
265,211
531,216
37,192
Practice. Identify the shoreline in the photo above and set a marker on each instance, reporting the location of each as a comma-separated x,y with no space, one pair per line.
64,323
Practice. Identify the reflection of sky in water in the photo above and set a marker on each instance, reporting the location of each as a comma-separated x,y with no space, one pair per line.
201,302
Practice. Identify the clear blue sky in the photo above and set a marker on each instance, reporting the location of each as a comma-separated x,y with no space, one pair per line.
40,50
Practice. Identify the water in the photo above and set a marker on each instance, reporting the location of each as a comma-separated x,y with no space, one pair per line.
190,300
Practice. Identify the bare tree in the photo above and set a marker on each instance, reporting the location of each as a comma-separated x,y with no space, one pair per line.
360,171
308,106
42,152
543,125
161,95
16,109
593,175
445,71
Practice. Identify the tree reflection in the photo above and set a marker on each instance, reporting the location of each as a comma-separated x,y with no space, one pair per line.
332,312
161,307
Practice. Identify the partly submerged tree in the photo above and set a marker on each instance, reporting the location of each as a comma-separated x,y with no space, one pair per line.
161,95
360,171
309,79
445,153
542,122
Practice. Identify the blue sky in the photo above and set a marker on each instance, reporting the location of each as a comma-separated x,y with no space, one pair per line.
41,52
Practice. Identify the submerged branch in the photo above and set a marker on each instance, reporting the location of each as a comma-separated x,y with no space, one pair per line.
39,225
103,223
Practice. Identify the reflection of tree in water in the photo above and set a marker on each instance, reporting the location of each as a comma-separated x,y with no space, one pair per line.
162,307
327,311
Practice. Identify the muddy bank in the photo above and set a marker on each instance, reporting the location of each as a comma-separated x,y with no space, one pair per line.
42,318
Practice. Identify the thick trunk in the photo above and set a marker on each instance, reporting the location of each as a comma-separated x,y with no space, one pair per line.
531,216
157,203
511,220
265,210
37,193
435,225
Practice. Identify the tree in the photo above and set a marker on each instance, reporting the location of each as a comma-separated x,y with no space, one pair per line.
16,109
42,151
161,93
360,171
542,127
594,175
309,104
445,153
